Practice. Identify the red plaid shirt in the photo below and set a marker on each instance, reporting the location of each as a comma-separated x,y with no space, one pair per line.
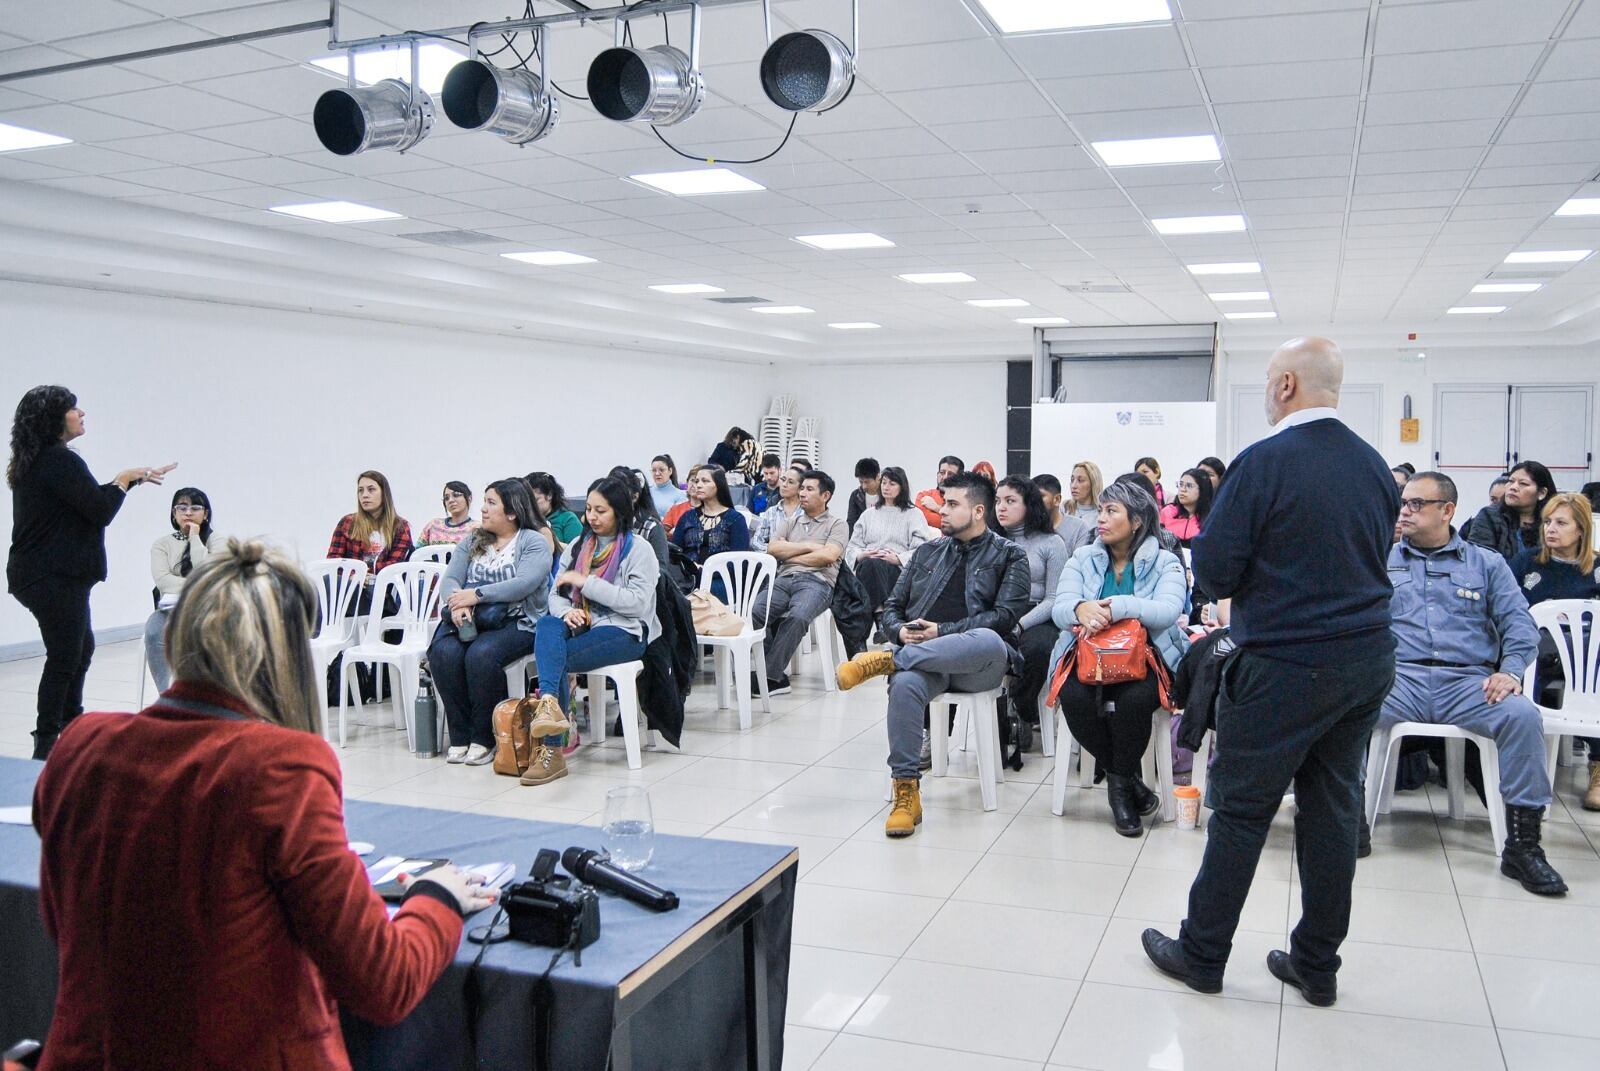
343,546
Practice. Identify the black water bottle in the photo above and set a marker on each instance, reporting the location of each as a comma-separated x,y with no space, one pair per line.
425,735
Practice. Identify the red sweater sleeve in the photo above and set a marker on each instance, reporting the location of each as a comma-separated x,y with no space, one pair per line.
379,968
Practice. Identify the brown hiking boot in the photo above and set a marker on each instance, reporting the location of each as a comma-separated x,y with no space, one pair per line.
1591,799
906,813
548,718
863,667
548,765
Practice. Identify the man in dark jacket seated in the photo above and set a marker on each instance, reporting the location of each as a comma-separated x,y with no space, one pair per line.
952,616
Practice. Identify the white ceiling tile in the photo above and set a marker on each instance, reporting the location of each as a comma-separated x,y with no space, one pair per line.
1315,37
959,63
1301,143
1148,123
1571,60
178,108
1529,175
1437,135
270,171
971,104
1049,158
49,23
1433,27
1585,153
1534,128
78,123
182,179
1124,92
1266,117
1110,51
1448,70
1439,105
937,165
1283,81
889,22
905,141
29,166
1391,182
1047,130
1302,167
1415,160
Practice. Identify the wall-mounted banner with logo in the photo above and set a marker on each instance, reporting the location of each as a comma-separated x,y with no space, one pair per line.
1116,434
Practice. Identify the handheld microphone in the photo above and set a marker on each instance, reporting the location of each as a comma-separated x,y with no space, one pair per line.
592,868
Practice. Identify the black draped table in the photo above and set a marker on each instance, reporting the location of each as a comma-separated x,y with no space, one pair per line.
704,986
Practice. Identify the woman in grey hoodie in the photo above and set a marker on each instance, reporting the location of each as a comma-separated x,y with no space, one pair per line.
1022,517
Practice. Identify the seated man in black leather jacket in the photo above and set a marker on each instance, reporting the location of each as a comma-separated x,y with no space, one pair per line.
953,616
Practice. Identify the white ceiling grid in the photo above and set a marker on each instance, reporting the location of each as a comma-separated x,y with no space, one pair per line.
1387,157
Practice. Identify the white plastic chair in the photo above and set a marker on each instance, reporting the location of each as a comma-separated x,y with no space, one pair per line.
434,552
824,641
416,586
1571,624
624,676
981,710
747,578
338,582
1382,770
517,676
1157,763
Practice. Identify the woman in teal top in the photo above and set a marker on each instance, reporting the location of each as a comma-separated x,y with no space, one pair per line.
552,501
1123,574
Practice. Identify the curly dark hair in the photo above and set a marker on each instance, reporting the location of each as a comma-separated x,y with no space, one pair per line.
40,420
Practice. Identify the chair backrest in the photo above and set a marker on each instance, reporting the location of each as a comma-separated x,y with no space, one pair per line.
1571,625
747,577
434,552
338,581
415,587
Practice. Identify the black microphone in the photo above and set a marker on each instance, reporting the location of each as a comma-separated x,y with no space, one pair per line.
592,868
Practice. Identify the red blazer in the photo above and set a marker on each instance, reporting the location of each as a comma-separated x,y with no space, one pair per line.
197,879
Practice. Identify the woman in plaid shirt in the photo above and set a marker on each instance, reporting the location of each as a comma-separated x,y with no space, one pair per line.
374,533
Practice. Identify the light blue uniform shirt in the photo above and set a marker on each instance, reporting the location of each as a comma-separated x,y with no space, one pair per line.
1459,604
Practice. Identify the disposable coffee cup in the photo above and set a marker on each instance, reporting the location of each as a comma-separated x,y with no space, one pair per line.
1188,806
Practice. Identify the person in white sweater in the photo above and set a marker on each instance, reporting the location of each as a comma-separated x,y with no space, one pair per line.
884,537
172,558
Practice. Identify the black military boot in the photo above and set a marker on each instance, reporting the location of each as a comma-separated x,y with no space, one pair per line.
1523,858
1124,805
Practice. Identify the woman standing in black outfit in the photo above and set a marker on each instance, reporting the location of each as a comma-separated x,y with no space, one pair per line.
58,551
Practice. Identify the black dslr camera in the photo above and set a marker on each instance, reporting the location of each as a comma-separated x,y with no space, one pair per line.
552,911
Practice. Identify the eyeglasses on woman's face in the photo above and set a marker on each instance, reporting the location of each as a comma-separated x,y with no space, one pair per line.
453,496
187,507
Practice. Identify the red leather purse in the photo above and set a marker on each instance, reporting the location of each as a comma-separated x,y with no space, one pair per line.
1117,654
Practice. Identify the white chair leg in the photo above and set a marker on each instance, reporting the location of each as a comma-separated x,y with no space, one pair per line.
1058,793
987,744
740,657
1391,771
1554,747
1376,748
344,695
1162,737
758,654
1490,757
997,753
1047,725
825,654
597,710
144,671
1455,764
719,667
628,706
939,737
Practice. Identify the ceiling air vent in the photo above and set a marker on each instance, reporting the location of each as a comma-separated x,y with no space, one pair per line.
740,300
452,238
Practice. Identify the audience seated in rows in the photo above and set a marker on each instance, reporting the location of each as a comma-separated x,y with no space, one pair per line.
1074,531
1191,501
1515,523
809,544
457,522
670,519
779,509
646,524
865,495
1464,638
1083,492
930,500
1020,516
664,490
493,594
885,536
602,613
1124,574
1141,481
711,525
173,557
551,499
950,619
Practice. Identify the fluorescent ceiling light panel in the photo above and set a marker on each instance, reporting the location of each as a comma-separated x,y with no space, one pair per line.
1238,267
1199,225
998,303
549,258
862,240
1241,295
781,310
1506,288
687,288
16,138
434,61
1580,206
1142,152
1044,321
1251,315
697,183
1475,310
856,325
1029,16
337,212
1549,256
936,278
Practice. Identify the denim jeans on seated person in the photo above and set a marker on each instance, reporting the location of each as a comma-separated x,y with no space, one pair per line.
559,654
155,648
471,678
973,661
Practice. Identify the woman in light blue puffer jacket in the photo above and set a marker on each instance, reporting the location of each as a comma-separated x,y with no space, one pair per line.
1123,574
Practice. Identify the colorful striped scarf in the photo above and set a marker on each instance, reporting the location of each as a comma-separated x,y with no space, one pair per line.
606,564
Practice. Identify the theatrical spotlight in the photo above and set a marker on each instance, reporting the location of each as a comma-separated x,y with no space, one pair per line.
513,104
809,70
658,85
380,116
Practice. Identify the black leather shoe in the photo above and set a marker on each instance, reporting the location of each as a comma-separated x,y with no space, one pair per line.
1124,811
1282,968
1144,797
1168,957
1523,856
1364,839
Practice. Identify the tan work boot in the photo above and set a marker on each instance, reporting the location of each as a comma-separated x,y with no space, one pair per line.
548,765
906,814
863,667
1591,799
548,718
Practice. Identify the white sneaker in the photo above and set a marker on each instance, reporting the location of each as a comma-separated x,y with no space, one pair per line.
456,755
478,755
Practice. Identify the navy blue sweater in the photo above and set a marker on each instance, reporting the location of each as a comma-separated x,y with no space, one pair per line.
1553,579
1299,538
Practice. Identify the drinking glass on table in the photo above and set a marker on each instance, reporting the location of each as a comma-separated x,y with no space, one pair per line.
629,828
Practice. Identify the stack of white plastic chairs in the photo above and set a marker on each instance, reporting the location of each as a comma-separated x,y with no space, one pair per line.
777,427
804,446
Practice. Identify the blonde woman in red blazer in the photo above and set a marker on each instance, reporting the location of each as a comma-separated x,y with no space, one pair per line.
196,873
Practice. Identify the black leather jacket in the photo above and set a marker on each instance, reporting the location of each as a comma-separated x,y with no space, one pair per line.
1498,529
997,585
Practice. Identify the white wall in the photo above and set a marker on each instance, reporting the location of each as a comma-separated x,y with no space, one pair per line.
906,414
273,414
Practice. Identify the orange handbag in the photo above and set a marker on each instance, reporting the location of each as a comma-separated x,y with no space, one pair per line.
1117,654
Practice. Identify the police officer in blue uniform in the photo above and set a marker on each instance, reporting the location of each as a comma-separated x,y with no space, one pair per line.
1464,637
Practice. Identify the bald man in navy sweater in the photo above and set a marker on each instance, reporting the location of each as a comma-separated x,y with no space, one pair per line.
1315,659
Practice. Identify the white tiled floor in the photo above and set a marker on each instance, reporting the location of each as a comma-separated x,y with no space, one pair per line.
1009,939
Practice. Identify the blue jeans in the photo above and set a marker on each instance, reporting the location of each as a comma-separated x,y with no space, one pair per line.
471,678
559,654
155,648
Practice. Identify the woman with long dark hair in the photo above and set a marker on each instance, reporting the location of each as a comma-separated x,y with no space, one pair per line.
1214,468
59,516
172,558
885,535
713,526
1021,516
1517,521
646,522
602,613
1191,501
551,498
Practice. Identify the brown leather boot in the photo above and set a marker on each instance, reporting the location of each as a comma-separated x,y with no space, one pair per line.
1591,799
548,718
548,765
906,814
863,667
